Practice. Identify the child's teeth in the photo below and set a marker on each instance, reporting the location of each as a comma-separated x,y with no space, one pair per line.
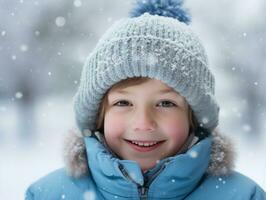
144,144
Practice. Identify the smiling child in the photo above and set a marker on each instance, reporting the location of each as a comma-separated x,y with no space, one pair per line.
147,119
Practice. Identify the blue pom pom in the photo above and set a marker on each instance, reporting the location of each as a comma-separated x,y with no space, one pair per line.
168,8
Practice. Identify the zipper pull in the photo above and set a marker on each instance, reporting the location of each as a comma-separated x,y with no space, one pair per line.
143,192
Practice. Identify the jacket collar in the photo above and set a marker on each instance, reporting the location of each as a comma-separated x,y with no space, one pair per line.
75,155
175,176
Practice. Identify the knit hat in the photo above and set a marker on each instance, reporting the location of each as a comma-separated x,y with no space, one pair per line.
155,42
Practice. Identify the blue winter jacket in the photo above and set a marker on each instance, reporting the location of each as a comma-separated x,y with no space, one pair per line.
199,174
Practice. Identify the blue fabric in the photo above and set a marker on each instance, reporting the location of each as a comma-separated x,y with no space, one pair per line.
167,8
179,177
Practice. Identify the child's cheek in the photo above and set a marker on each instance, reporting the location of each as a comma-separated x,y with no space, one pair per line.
114,125
176,130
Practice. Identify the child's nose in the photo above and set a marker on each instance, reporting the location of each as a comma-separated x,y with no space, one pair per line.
143,121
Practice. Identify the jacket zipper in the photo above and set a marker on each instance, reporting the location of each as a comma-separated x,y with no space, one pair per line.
143,190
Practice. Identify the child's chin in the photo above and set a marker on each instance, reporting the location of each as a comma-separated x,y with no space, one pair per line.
147,167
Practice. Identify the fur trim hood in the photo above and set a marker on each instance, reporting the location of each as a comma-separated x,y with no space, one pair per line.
75,156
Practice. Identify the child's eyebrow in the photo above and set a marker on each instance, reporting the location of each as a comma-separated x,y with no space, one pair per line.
163,91
122,92
168,90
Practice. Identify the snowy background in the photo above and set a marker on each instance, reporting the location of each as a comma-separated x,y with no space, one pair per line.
43,45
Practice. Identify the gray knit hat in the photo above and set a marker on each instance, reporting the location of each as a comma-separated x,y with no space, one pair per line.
153,46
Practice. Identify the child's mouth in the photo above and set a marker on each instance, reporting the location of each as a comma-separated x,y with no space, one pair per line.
144,146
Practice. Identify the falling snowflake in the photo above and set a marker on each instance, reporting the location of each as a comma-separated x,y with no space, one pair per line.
205,120
77,3
49,73
152,59
3,33
37,33
89,195
193,154
60,21
13,57
63,196
23,48
246,128
19,95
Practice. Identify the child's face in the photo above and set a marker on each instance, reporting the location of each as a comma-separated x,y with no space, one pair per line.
146,113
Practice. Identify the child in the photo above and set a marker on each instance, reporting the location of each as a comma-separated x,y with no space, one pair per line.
147,114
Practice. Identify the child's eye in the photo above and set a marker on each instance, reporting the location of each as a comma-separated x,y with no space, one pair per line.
122,103
166,104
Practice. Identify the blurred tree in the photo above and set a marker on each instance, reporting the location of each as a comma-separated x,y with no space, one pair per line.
43,46
236,31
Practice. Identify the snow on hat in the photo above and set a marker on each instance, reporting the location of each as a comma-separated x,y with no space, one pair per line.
155,42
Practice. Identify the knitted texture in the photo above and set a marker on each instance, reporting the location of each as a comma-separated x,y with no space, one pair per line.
148,46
